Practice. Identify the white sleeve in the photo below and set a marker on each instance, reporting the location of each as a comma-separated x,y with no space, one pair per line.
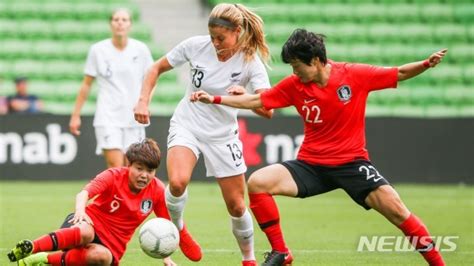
91,63
180,54
258,75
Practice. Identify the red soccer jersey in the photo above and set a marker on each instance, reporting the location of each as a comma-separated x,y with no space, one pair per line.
117,212
334,116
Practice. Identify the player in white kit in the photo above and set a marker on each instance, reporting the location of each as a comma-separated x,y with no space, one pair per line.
119,65
225,57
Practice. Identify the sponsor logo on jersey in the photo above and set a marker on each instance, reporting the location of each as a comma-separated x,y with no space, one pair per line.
146,206
344,93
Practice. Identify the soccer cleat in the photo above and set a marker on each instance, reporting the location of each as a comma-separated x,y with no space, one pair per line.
249,263
22,249
38,259
189,246
276,258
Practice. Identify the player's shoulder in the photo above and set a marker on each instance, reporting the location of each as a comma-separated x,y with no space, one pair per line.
101,44
137,43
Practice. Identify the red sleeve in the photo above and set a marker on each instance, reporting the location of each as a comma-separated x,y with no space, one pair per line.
100,183
279,96
160,209
375,77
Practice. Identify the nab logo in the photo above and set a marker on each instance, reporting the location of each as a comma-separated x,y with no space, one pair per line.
344,93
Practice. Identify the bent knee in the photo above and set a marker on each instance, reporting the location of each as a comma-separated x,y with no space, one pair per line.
237,209
99,255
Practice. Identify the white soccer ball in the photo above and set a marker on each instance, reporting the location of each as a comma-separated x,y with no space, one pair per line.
159,238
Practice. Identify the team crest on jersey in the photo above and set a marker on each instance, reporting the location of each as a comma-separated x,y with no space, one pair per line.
344,92
146,206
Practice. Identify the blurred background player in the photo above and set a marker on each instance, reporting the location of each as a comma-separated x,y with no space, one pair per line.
330,97
22,102
225,57
119,65
97,234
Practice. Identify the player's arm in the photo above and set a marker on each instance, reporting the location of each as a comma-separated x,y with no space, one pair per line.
244,101
75,121
142,114
262,111
411,70
80,212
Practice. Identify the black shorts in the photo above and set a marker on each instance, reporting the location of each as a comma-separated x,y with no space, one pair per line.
357,179
67,224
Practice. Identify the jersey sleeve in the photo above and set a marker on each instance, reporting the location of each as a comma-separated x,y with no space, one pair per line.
100,183
375,77
180,54
278,96
258,76
160,209
90,68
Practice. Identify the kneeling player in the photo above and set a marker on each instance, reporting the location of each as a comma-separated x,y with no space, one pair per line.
97,234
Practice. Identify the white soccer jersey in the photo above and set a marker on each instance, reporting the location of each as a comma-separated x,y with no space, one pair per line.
212,122
119,76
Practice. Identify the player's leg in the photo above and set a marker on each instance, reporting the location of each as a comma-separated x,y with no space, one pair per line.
91,254
386,201
64,238
263,184
110,145
113,157
233,189
181,159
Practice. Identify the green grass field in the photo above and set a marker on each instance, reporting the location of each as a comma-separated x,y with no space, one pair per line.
322,230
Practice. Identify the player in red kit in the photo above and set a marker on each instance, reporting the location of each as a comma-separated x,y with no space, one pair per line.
97,234
330,98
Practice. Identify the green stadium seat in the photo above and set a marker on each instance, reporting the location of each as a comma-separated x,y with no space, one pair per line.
15,48
35,29
414,33
407,110
450,33
433,13
384,33
464,13
8,29
402,13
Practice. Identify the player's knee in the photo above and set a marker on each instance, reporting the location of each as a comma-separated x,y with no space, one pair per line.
256,183
87,234
237,209
99,255
177,186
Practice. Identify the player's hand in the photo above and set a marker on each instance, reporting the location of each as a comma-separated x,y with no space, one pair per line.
201,96
141,113
168,262
81,216
236,90
74,125
437,57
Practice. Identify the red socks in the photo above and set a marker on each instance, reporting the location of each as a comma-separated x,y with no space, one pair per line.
414,228
73,257
266,213
60,239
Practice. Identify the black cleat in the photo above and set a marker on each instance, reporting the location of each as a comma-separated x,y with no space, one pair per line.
276,258
22,249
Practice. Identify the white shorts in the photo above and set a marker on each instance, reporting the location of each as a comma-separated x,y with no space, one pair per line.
110,138
222,159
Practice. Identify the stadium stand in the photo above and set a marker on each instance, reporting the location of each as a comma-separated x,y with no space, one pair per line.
385,32
48,41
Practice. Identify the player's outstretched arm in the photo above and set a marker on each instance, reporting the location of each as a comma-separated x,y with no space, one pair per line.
141,112
244,101
411,70
262,111
80,212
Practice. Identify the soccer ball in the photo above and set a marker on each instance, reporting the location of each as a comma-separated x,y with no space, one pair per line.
159,238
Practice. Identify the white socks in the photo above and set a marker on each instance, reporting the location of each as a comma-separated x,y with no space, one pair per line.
242,227
175,206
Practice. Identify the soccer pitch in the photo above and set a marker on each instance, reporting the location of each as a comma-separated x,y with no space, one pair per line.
322,230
